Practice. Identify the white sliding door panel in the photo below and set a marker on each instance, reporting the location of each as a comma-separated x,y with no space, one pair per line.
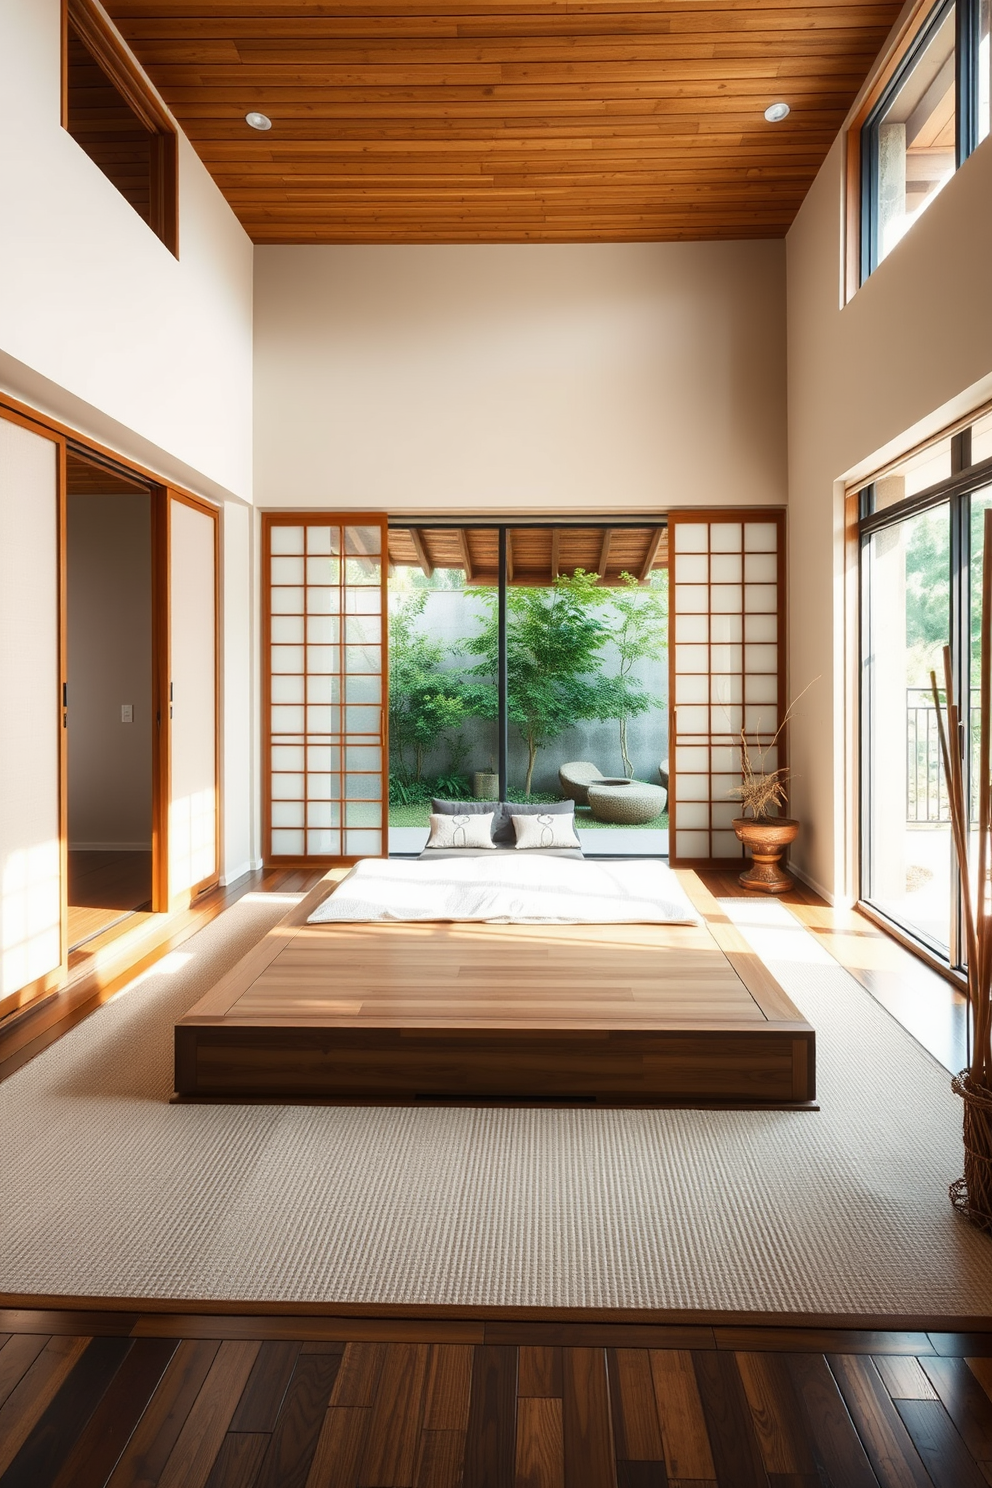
30,720
193,674
727,668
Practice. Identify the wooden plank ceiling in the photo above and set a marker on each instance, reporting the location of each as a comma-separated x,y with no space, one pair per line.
511,120
535,556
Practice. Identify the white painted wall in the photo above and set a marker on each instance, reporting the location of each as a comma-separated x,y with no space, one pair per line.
99,324
909,353
109,633
526,377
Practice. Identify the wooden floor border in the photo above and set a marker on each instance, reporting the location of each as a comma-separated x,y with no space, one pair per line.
334,1314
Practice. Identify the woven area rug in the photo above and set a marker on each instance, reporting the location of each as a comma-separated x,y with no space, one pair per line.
108,1190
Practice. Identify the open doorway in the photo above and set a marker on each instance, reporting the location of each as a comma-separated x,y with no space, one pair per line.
109,698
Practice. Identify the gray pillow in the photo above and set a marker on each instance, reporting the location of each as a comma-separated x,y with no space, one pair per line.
503,833
463,808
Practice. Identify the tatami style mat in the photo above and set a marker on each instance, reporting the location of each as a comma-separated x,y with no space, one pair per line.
108,1190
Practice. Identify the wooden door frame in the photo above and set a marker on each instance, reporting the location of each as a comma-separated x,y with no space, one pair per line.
161,670
13,411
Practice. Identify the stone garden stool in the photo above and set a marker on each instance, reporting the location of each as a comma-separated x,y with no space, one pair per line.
626,803
575,779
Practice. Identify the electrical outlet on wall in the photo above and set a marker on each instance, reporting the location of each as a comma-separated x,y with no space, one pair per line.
127,712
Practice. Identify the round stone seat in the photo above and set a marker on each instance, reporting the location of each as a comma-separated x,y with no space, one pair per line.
626,803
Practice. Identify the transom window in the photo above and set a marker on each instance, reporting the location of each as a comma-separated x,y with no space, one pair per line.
926,120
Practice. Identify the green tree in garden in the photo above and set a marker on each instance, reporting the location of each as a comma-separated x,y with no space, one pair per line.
554,638
426,702
638,624
928,580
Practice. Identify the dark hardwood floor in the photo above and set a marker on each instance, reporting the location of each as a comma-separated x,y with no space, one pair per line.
97,1399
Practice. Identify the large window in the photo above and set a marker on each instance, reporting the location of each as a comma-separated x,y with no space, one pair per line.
921,559
530,664
925,121
112,112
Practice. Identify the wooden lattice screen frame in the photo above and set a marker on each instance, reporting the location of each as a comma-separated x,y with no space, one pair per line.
719,606
351,846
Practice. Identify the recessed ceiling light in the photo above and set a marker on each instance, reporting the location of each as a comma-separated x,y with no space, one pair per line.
776,112
262,121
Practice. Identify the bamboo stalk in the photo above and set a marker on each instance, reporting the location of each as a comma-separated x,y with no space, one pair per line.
963,815
952,776
982,998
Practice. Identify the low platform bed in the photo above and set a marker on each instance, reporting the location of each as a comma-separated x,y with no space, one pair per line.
603,1013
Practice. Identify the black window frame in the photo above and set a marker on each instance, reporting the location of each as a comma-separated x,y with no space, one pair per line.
967,28
504,584
965,480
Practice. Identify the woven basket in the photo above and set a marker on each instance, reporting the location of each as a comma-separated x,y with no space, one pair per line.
972,1194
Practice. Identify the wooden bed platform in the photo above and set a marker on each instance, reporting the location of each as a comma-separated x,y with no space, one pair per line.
600,1014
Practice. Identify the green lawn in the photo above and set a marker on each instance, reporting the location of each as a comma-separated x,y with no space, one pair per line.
416,816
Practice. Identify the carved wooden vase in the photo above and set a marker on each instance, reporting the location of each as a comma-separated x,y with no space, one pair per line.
766,841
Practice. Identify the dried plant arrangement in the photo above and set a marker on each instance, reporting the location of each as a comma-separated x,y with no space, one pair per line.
761,789
972,1194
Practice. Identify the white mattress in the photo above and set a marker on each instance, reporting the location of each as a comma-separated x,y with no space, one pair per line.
509,890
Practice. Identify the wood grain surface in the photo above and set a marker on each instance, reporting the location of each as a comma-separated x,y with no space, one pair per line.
593,1012
124,1410
450,121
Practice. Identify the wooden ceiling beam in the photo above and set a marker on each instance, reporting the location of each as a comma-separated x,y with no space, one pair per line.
466,556
420,548
644,572
509,555
604,552
555,553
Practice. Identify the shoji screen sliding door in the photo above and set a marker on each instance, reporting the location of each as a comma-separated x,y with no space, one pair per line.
31,748
325,702
194,809
727,660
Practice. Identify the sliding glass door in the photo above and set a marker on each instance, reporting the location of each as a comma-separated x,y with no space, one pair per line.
921,563
530,663
905,626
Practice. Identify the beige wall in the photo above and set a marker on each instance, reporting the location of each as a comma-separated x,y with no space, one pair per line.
520,377
910,352
110,662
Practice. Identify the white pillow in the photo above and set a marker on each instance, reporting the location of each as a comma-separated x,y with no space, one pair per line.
462,831
545,829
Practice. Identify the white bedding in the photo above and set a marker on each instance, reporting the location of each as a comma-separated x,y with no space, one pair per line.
511,891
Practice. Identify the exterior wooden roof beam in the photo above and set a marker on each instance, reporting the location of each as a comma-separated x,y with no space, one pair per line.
420,548
651,554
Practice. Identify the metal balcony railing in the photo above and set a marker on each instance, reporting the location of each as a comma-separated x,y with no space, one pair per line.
926,789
